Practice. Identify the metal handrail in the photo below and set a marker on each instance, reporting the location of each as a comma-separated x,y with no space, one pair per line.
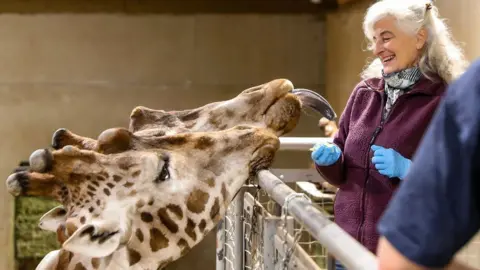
338,242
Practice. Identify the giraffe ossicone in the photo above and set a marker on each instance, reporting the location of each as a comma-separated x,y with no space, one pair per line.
143,196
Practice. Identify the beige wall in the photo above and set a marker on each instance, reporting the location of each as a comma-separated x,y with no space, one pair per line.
86,72
346,57
346,53
462,16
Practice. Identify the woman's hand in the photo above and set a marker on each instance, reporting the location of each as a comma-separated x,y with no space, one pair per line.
389,162
325,154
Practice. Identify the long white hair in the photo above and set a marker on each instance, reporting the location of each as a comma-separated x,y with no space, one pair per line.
441,55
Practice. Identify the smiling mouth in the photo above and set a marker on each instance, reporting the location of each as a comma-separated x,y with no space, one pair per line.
388,59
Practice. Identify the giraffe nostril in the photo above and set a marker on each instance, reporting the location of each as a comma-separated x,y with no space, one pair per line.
41,160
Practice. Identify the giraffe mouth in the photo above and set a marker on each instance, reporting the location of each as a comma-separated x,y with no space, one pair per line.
263,157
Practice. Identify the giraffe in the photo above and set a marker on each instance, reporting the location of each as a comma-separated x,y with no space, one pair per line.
142,197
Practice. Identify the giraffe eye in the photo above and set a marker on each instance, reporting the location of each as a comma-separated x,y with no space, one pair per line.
164,173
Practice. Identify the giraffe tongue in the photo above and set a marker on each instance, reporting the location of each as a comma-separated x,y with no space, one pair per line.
316,102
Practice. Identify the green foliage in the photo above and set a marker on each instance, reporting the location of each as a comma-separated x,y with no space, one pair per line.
32,242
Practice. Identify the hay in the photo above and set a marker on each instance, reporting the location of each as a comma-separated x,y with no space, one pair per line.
30,241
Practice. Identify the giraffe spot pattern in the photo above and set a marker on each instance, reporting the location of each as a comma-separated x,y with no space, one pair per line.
117,178
139,235
146,217
104,175
202,225
140,203
157,240
204,142
215,209
167,221
133,256
190,229
95,262
197,200
71,228
125,163
224,192
229,113
178,140
136,173
184,247
191,116
210,182
177,210
128,184
79,266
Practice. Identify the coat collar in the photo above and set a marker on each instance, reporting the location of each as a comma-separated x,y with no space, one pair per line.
426,86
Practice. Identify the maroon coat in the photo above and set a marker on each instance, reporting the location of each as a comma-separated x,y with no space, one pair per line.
363,192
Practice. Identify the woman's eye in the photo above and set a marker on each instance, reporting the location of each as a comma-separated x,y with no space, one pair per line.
164,174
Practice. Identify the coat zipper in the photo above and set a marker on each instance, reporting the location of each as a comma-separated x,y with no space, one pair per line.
367,165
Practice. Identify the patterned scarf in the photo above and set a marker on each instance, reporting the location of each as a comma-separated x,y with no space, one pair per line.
397,83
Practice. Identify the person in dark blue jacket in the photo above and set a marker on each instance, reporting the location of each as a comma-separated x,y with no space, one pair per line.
436,210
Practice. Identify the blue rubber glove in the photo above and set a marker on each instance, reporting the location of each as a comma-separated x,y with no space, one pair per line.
389,162
325,154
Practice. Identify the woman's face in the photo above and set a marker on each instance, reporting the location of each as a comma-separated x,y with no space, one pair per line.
396,49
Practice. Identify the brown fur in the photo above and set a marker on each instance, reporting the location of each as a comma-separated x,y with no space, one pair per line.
197,200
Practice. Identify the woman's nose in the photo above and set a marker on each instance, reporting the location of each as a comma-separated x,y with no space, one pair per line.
377,48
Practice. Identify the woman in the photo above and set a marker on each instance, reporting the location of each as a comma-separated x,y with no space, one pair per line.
388,111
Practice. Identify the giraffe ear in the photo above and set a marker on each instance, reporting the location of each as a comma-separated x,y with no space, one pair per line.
53,218
97,239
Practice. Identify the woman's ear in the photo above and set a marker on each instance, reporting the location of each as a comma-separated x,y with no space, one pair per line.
422,36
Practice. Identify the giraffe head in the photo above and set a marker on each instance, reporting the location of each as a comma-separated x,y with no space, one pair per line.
157,188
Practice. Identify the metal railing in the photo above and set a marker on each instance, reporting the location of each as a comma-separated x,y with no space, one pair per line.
272,225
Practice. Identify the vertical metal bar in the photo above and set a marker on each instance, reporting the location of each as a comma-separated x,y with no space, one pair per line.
330,262
277,209
220,244
270,225
290,226
238,236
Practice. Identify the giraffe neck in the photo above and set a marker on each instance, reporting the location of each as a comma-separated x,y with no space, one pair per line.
166,228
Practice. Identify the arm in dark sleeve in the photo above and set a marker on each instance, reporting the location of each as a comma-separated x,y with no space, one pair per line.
435,211
334,173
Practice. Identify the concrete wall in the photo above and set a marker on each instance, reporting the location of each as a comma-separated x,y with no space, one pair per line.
346,56
86,72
